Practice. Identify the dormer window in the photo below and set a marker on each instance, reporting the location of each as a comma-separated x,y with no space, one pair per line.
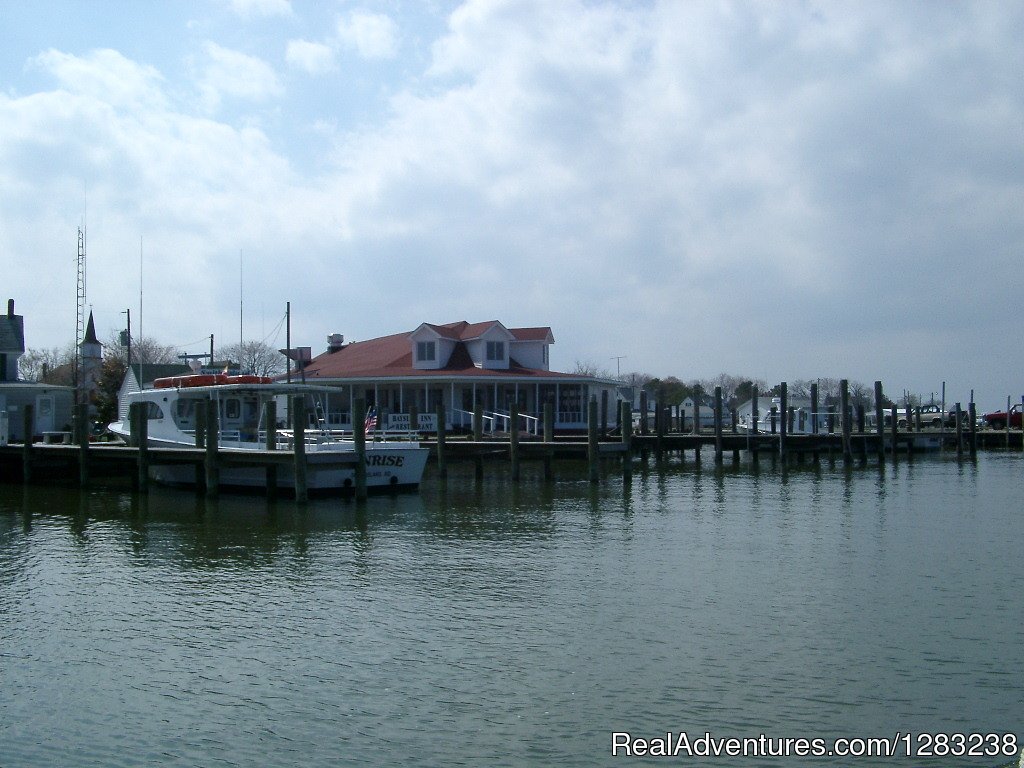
495,350
426,351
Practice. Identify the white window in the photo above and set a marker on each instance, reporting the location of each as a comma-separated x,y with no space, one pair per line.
495,350
426,351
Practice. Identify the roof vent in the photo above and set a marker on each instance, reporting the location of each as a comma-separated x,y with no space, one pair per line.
335,342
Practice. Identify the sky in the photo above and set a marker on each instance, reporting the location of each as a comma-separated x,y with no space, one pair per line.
779,190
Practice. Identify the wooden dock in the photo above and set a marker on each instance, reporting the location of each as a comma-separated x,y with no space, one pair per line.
845,438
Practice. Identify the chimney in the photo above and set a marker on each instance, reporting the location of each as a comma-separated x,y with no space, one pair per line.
10,307
335,342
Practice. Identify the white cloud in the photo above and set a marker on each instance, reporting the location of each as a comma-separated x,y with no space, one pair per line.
230,73
314,58
690,182
248,9
104,74
372,35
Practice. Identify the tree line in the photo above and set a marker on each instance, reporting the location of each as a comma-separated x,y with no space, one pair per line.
736,390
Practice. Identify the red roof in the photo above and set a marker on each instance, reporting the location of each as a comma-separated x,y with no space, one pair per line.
391,356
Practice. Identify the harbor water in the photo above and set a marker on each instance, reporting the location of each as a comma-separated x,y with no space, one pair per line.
492,623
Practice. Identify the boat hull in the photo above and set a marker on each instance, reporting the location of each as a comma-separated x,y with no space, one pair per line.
390,469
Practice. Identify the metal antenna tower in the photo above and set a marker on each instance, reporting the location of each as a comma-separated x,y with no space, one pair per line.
80,327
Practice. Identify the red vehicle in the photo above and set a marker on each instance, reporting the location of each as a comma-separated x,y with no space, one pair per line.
998,419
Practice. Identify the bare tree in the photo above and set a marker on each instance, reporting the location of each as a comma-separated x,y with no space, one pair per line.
591,369
49,366
254,357
144,350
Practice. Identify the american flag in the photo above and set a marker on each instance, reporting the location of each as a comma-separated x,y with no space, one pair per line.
371,421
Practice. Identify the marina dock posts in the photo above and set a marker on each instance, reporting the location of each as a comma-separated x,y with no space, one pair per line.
1008,424
626,417
659,425
212,444
270,419
200,438
784,407
593,458
643,412
973,415
414,418
604,411
478,435
549,437
513,439
142,425
755,414
860,429
815,457
359,437
844,404
478,422
894,430
82,427
735,431
442,460
299,418
718,425
28,424
879,420
959,432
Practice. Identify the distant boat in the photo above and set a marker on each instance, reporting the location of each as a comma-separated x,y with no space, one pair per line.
172,405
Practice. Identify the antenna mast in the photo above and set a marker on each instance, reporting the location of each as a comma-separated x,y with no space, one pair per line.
80,327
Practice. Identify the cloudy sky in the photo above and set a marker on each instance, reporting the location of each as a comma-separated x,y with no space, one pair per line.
783,190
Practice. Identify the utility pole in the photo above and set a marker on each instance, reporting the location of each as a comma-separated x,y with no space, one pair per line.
618,370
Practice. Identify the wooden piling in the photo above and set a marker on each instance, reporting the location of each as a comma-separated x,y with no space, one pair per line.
212,444
879,420
478,422
300,470
270,419
894,429
626,437
82,425
593,458
659,425
755,414
784,406
442,430
973,416
643,412
200,442
414,417
604,411
815,455
718,425
359,438
549,437
513,440
844,404
959,433
142,422
28,428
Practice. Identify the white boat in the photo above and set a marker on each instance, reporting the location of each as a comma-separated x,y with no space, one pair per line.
769,422
172,405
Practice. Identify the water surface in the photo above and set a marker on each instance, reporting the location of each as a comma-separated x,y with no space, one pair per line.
507,624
